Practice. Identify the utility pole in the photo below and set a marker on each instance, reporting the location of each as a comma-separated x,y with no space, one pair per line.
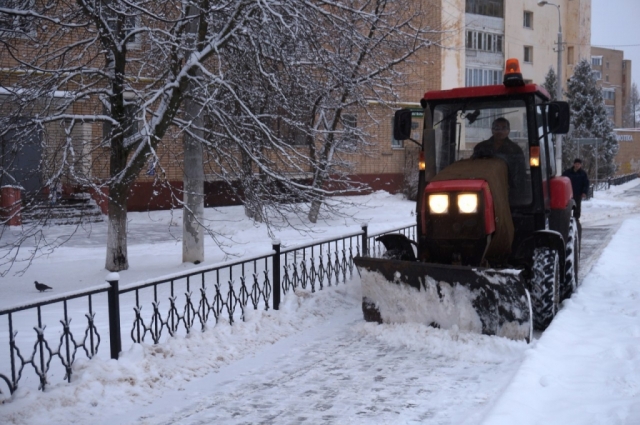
558,84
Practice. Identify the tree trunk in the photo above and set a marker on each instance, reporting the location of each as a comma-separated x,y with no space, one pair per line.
250,188
314,211
193,180
117,258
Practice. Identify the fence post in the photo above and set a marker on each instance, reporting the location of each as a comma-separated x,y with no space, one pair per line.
114,315
275,277
365,239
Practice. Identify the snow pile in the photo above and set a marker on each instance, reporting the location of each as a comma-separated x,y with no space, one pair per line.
612,203
435,302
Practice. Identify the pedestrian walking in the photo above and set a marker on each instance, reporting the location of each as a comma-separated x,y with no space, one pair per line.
579,184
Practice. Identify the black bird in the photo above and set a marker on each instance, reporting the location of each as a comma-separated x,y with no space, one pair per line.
41,286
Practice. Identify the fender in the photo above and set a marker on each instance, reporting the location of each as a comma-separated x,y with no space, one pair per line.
561,192
552,240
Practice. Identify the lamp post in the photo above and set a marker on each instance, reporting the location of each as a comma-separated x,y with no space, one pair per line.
558,84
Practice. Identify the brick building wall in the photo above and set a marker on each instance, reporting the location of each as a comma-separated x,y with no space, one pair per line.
628,157
610,69
383,166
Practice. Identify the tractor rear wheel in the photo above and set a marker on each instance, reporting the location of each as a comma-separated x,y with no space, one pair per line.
572,261
545,287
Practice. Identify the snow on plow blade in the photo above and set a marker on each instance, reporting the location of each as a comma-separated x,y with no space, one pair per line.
480,300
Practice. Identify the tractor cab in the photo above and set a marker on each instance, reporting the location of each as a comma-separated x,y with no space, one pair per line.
513,122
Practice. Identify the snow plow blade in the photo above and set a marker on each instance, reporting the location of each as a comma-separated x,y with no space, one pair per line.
475,299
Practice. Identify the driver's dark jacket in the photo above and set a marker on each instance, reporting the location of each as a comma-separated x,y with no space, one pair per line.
511,153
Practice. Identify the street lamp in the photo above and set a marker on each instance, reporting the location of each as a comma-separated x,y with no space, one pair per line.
558,83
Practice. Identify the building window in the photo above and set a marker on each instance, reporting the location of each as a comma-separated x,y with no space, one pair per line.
528,19
482,77
472,40
570,55
396,144
14,25
610,111
350,125
609,94
596,60
528,54
288,132
607,78
129,132
607,64
597,75
486,42
485,7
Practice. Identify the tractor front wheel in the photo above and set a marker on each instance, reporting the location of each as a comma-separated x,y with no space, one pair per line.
545,287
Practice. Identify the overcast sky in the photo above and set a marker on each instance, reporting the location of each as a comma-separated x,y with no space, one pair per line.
615,24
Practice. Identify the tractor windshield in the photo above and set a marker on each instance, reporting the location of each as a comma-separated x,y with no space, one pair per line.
486,129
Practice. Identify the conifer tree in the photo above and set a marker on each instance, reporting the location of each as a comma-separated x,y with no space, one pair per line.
589,120
551,82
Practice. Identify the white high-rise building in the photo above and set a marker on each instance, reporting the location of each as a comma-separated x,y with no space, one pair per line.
495,30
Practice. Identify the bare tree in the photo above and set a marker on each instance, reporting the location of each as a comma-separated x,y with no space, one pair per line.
631,114
361,63
267,89
129,64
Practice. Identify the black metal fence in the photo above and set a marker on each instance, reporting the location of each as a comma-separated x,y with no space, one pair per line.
155,310
614,181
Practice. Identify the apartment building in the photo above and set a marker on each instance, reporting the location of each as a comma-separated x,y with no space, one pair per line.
613,73
497,30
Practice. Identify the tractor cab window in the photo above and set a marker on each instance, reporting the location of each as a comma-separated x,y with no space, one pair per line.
486,129
546,143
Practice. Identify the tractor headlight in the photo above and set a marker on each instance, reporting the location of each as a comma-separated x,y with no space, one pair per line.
468,203
439,203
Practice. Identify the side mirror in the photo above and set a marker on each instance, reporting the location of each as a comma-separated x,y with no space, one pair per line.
559,117
402,124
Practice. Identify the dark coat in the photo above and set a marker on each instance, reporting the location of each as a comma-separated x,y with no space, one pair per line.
512,154
579,182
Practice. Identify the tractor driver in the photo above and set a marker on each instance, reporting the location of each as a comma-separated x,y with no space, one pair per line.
500,146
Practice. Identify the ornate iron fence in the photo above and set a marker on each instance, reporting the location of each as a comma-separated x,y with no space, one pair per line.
56,353
155,310
614,181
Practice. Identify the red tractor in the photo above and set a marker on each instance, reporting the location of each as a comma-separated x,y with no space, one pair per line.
498,245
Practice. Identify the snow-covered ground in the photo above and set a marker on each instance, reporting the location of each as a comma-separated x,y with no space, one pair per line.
317,361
